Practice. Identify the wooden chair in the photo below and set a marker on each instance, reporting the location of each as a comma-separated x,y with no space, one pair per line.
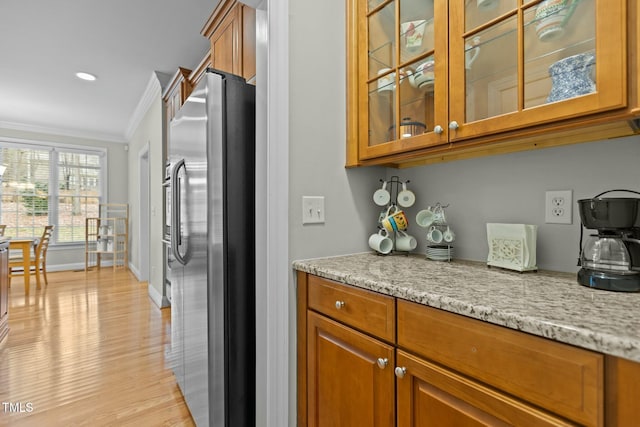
38,260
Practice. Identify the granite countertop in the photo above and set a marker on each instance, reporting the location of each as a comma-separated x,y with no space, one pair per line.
548,304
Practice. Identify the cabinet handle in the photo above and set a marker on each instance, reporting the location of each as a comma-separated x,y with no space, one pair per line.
453,125
438,129
400,371
382,362
339,304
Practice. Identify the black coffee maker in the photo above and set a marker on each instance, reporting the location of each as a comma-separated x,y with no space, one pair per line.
610,259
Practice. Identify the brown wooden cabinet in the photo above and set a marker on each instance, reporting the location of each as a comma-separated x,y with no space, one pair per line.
432,396
4,289
565,380
198,72
175,94
231,30
449,370
350,376
438,80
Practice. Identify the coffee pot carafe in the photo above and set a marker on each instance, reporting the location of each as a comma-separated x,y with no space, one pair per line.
610,259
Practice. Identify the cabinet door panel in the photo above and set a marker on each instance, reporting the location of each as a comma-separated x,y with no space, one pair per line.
345,385
402,76
431,396
565,379
248,42
540,62
224,45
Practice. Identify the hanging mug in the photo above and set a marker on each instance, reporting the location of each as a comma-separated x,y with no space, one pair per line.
381,196
395,221
425,217
380,242
405,242
434,235
406,198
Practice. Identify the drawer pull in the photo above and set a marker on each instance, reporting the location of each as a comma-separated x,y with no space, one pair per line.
400,371
339,304
382,362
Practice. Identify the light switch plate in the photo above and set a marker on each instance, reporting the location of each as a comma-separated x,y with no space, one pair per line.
313,209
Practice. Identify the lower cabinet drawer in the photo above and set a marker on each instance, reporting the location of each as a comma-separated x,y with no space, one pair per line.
367,311
565,380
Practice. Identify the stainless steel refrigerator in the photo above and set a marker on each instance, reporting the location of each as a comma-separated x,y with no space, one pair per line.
211,251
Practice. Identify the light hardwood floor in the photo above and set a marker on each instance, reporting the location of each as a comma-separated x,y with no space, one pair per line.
89,349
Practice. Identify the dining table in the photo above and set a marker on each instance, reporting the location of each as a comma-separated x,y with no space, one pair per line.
25,244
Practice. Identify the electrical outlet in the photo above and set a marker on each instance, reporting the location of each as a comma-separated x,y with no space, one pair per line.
313,209
558,207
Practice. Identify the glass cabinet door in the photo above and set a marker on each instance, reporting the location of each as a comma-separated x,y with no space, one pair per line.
516,63
406,83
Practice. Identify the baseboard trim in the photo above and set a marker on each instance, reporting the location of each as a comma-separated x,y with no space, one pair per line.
159,300
135,271
66,267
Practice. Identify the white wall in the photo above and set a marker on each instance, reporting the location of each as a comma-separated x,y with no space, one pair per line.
65,258
148,133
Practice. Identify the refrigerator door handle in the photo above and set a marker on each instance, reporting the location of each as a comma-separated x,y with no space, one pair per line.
176,230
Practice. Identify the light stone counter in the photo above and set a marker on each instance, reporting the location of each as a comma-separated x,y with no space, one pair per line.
547,304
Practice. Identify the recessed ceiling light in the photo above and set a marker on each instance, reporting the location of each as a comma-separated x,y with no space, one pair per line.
85,76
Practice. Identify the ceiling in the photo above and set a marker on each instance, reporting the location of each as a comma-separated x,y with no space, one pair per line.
43,43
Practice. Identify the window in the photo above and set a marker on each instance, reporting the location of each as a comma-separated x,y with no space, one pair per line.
50,184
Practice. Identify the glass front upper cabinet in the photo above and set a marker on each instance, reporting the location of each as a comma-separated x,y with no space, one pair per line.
516,63
432,72
406,78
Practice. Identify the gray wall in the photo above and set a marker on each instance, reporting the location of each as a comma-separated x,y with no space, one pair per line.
317,137
148,134
511,188
63,258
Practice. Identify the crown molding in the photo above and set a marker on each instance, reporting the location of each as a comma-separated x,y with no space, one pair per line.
50,130
151,93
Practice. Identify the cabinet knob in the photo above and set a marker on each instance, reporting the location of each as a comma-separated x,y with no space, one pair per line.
438,129
453,125
400,371
339,304
382,362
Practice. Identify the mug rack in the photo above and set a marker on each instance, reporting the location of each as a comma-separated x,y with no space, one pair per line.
395,187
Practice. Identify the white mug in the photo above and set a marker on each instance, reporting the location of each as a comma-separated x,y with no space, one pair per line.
381,196
425,217
406,198
405,242
380,242
434,235
448,235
